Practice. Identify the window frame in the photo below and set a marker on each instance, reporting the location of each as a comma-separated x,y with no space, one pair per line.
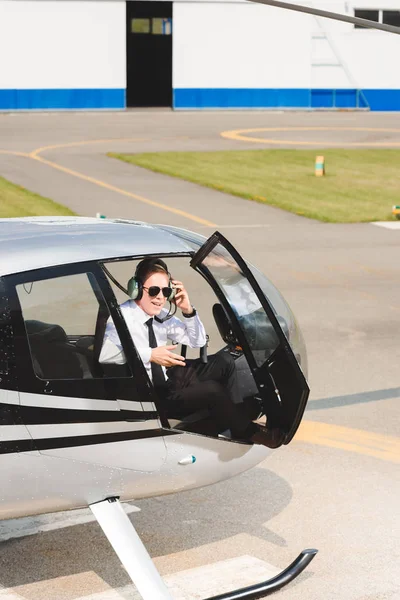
140,32
387,10
28,380
375,10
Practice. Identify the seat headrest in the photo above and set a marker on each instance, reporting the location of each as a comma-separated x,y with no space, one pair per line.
224,325
46,332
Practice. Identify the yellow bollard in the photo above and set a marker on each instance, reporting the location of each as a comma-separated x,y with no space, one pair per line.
320,166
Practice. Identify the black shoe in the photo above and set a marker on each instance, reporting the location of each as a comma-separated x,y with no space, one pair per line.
272,438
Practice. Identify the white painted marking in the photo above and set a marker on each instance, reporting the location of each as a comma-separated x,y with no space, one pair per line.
201,582
76,429
130,405
5,595
13,432
40,400
240,226
68,403
16,528
387,224
9,397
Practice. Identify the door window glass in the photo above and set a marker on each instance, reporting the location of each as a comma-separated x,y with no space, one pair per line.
65,319
258,329
140,25
161,26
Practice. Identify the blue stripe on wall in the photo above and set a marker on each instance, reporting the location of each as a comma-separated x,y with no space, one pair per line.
204,98
286,98
240,98
383,99
61,99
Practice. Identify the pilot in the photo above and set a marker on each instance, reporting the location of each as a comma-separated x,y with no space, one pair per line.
185,385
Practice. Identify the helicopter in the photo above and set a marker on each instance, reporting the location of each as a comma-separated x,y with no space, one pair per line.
78,433
75,432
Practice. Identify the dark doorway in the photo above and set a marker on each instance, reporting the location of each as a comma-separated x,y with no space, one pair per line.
149,53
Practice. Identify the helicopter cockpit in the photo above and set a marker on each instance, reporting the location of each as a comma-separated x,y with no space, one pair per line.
61,314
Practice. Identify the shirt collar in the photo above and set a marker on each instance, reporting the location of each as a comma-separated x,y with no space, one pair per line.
140,315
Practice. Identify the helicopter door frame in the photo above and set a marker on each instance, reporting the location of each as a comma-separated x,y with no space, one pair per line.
131,354
283,410
108,387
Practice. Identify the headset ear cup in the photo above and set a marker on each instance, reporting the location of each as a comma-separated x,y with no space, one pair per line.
172,294
135,289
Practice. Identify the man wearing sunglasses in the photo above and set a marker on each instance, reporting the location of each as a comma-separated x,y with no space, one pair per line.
185,385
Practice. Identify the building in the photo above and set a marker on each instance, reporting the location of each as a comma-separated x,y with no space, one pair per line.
194,54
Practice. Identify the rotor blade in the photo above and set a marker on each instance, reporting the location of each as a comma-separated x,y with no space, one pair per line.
330,15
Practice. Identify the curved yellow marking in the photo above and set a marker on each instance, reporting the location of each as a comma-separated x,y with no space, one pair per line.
238,135
37,151
35,156
376,445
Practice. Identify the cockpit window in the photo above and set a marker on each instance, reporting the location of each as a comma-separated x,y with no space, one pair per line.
65,319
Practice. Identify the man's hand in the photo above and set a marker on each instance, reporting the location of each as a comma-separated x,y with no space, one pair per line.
182,297
164,357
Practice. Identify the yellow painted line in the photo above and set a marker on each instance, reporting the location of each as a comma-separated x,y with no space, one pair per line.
37,151
240,135
13,153
35,156
380,446
118,190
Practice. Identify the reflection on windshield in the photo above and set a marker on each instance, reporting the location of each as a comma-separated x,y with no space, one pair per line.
241,297
285,316
258,329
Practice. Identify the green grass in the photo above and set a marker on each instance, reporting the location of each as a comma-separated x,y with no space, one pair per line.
359,185
16,201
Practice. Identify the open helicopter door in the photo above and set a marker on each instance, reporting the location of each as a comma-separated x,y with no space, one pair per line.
282,387
258,331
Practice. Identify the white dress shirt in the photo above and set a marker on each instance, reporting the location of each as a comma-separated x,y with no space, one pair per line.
189,331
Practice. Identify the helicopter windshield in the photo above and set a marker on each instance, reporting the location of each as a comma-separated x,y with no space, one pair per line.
260,333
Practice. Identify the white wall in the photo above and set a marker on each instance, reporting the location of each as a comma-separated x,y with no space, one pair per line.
238,44
50,44
371,56
55,44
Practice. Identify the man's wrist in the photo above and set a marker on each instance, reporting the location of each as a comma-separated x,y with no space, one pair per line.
192,313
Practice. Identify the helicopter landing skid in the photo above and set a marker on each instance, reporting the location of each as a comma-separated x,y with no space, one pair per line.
264,589
129,548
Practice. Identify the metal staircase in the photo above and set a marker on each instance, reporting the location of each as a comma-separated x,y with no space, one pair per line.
328,65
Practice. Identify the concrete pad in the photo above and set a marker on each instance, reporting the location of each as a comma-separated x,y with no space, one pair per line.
388,224
342,282
203,582
16,528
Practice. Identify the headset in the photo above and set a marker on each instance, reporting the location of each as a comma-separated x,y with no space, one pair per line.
134,288
135,284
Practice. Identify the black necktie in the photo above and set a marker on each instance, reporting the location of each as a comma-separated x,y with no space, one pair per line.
156,370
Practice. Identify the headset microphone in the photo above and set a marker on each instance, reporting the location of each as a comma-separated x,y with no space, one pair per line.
168,316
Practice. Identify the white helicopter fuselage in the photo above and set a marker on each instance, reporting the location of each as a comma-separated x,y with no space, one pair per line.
64,478
60,452
77,432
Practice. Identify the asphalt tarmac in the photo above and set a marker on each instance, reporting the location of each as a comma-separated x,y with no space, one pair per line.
336,487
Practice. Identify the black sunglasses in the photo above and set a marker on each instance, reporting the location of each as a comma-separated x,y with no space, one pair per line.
154,290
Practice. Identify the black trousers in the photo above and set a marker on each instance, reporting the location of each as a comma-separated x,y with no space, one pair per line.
211,385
